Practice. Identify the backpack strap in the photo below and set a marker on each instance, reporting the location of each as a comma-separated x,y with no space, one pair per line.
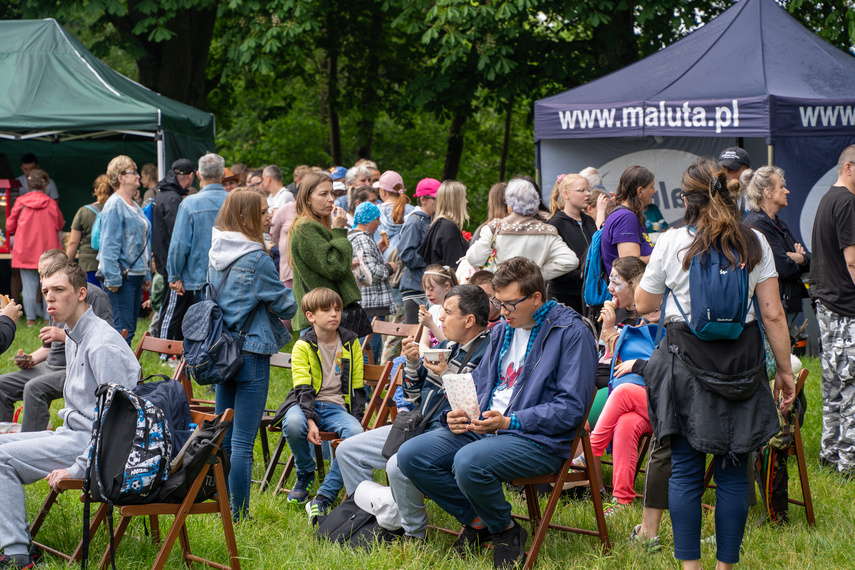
93,209
222,282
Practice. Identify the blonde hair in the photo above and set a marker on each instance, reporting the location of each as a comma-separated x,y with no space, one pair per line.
117,166
556,200
103,190
451,203
757,182
439,275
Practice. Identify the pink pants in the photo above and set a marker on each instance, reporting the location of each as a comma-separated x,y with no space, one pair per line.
622,423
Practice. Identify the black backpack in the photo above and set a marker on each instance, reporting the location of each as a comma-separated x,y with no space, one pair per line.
349,525
169,395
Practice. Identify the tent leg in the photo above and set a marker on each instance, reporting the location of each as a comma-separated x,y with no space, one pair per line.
770,159
161,156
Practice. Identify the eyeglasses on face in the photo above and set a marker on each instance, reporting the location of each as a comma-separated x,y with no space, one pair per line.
509,307
130,173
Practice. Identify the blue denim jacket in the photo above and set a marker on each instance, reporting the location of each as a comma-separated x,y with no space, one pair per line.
124,236
191,236
253,279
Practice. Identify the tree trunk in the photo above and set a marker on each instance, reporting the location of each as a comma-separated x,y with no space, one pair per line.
454,147
374,44
503,164
176,67
332,107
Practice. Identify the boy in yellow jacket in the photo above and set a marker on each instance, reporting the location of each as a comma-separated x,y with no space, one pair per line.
328,395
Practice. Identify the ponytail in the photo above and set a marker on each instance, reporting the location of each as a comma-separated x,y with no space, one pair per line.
400,207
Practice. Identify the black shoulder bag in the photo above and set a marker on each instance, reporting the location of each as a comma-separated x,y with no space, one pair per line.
408,424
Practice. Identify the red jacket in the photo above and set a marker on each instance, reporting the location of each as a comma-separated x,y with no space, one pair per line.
34,220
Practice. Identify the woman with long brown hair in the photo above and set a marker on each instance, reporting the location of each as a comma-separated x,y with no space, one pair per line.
624,233
253,301
711,395
81,230
321,255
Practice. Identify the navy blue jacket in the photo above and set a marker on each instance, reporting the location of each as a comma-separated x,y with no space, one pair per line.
412,235
556,385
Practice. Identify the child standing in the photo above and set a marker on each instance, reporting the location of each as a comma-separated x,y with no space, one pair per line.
328,395
437,281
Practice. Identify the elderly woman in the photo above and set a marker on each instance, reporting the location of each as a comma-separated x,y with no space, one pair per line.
521,233
81,230
124,259
34,220
767,195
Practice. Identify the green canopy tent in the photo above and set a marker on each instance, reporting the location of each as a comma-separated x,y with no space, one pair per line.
75,113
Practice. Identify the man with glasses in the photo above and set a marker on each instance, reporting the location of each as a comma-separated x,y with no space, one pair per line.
832,287
534,387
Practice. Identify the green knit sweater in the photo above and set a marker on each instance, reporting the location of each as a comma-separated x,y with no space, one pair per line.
321,258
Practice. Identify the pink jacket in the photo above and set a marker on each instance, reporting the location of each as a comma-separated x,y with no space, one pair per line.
34,220
279,228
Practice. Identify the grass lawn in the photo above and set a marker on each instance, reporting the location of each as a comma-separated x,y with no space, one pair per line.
278,535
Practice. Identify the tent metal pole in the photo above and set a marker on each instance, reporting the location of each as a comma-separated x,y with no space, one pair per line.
770,158
161,152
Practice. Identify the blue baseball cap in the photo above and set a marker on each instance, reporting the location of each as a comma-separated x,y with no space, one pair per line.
366,213
337,172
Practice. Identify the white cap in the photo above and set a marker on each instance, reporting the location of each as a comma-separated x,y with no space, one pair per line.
377,500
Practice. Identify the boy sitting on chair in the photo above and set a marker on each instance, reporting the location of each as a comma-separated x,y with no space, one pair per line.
328,395
61,454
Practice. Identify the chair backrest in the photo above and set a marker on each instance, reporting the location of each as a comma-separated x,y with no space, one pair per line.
393,329
199,417
800,383
377,377
149,343
281,360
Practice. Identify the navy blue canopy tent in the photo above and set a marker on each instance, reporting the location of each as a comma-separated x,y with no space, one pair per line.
753,76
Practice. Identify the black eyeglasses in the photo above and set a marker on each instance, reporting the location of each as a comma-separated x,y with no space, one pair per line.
255,184
130,173
509,307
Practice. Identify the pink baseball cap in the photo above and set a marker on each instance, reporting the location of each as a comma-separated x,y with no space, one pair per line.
427,187
389,180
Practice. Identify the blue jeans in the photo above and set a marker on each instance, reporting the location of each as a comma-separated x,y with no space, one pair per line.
684,500
246,394
126,305
331,417
29,291
463,474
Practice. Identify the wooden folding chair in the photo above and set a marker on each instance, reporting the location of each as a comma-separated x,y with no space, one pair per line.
568,473
796,448
178,531
375,376
386,329
64,485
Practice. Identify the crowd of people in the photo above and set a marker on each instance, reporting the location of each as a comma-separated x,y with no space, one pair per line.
320,257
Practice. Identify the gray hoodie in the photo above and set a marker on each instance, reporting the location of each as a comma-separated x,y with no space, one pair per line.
95,354
229,246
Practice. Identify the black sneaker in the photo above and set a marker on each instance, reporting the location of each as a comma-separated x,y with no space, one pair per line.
509,547
16,561
471,537
386,536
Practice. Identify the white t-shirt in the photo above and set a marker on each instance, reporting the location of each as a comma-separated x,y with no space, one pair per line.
280,199
510,369
666,270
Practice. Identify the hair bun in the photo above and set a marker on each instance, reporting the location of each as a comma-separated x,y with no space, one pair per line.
745,177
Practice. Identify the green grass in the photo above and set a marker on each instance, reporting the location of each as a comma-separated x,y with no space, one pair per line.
278,535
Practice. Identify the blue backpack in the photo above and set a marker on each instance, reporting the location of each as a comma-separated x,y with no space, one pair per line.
95,234
719,294
596,282
211,352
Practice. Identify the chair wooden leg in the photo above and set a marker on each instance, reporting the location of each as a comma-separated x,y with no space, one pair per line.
595,495
540,523
225,514
265,445
803,475
289,466
184,543
273,463
319,459
50,500
154,523
97,520
118,533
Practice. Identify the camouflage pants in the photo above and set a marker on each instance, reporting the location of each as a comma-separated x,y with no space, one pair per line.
838,387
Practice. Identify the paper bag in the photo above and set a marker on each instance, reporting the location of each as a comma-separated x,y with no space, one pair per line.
461,393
